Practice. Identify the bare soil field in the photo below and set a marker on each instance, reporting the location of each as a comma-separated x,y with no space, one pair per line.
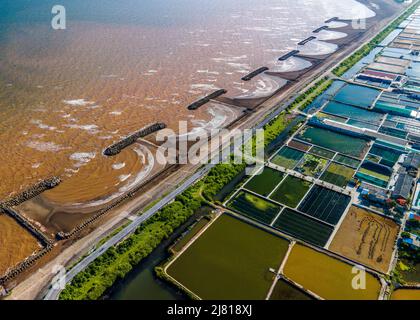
367,238
16,243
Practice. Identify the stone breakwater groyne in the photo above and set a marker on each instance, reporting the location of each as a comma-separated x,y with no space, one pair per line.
32,192
288,55
197,104
331,19
5,208
303,42
320,29
254,73
117,147
24,265
67,235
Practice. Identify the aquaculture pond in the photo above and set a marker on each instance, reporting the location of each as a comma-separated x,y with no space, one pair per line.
355,113
254,207
354,163
406,294
287,157
339,142
324,97
355,95
265,181
363,125
325,204
311,165
322,152
286,291
230,260
291,191
303,227
374,173
326,276
338,175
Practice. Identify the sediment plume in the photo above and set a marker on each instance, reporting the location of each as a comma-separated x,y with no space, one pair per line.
254,73
197,104
117,147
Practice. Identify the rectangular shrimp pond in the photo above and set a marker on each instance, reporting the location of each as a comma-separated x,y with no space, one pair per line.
254,207
327,276
342,143
231,260
358,96
367,238
303,227
287,157
291,191
264,181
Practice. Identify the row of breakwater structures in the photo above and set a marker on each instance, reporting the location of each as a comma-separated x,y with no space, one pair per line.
117,147
46,243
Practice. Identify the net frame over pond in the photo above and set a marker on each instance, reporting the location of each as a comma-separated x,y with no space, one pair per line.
325,204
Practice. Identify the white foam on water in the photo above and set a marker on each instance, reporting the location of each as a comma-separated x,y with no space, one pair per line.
78,102
90,128
124,177
118,166
82,158
291,64
43,126
44,146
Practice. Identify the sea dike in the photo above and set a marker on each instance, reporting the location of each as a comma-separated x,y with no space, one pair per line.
117,147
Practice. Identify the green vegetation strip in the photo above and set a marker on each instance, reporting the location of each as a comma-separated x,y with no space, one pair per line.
231,260
367,48
306,98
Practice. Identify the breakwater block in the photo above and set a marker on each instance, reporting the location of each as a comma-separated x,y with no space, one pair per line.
32,192
288,55
197,104
320,29
331,20
254,73
117,147
303,42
